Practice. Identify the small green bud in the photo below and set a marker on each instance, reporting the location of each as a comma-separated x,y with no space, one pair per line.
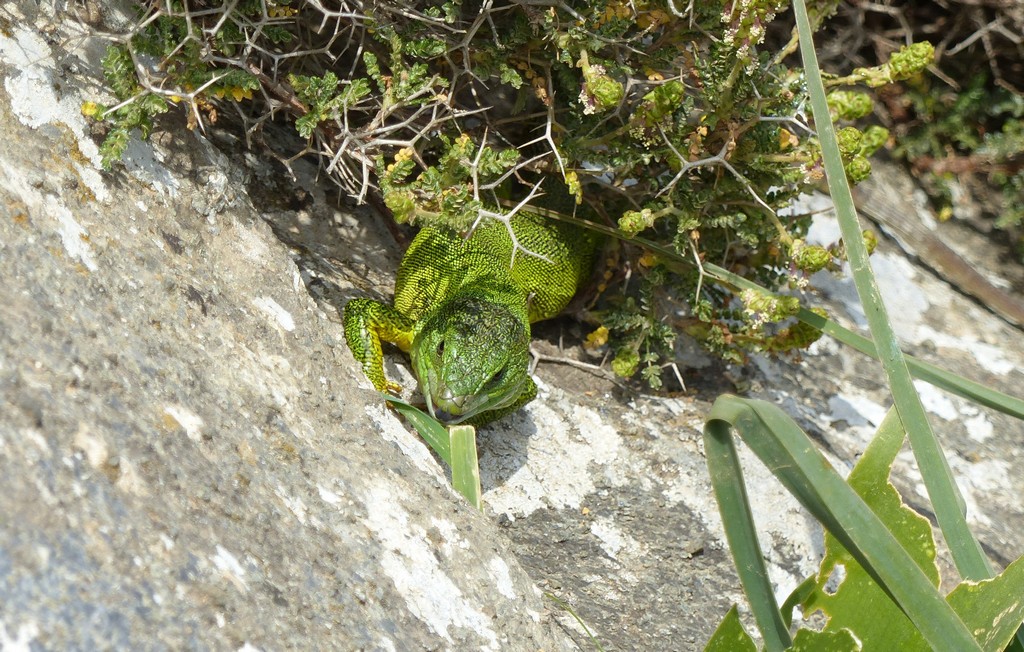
402,205
809,258
92,109
849,105
870,241
600,92
849,141
510,76
573,185
633,222
873,138
906,63
625,363
858,169
664,99
769,307
372,65
911,60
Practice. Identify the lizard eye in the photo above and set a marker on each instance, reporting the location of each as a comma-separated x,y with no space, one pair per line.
496,378
440,349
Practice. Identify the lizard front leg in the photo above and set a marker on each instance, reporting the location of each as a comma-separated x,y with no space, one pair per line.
367,323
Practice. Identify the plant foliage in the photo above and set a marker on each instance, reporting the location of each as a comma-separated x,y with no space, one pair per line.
961,129
877,586
661,119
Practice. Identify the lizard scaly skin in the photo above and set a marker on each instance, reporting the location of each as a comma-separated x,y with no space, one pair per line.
463,309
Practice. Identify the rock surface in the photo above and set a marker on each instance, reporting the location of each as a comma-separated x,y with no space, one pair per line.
187,460
190,457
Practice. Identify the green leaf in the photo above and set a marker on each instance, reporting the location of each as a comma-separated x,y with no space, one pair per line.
432,432
510,75
314,91
731,494
783,447
730,636
113,146
808,640
859,604
938,479
993,609
355,91
465,467
306,125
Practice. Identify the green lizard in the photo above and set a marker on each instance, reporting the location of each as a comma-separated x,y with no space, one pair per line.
463,309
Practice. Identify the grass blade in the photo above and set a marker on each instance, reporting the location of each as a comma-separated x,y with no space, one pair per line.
780,443
432,432
465,468
946,499
731,494
455,445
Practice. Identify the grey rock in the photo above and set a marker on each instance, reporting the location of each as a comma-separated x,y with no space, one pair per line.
192,459
188,458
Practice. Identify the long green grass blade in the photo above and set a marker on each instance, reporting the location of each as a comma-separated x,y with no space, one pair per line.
456,446
731,494
938,479
432,432
465,468
785,449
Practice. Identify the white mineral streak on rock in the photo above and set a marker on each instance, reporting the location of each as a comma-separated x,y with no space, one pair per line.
191,422
991,358
561,465
34,100
228,564
614,541
409,558
394,431
979,428
936,401
72,235
273,309
20,641
294,504
502,577
855,409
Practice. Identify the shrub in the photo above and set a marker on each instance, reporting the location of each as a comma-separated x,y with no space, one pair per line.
659,120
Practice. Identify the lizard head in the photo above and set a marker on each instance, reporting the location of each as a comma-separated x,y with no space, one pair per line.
471,356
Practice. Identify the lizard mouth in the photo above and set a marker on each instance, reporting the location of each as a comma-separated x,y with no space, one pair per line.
453,409
446,407
442,403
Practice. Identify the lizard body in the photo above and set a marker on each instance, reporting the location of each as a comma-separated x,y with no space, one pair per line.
463,309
